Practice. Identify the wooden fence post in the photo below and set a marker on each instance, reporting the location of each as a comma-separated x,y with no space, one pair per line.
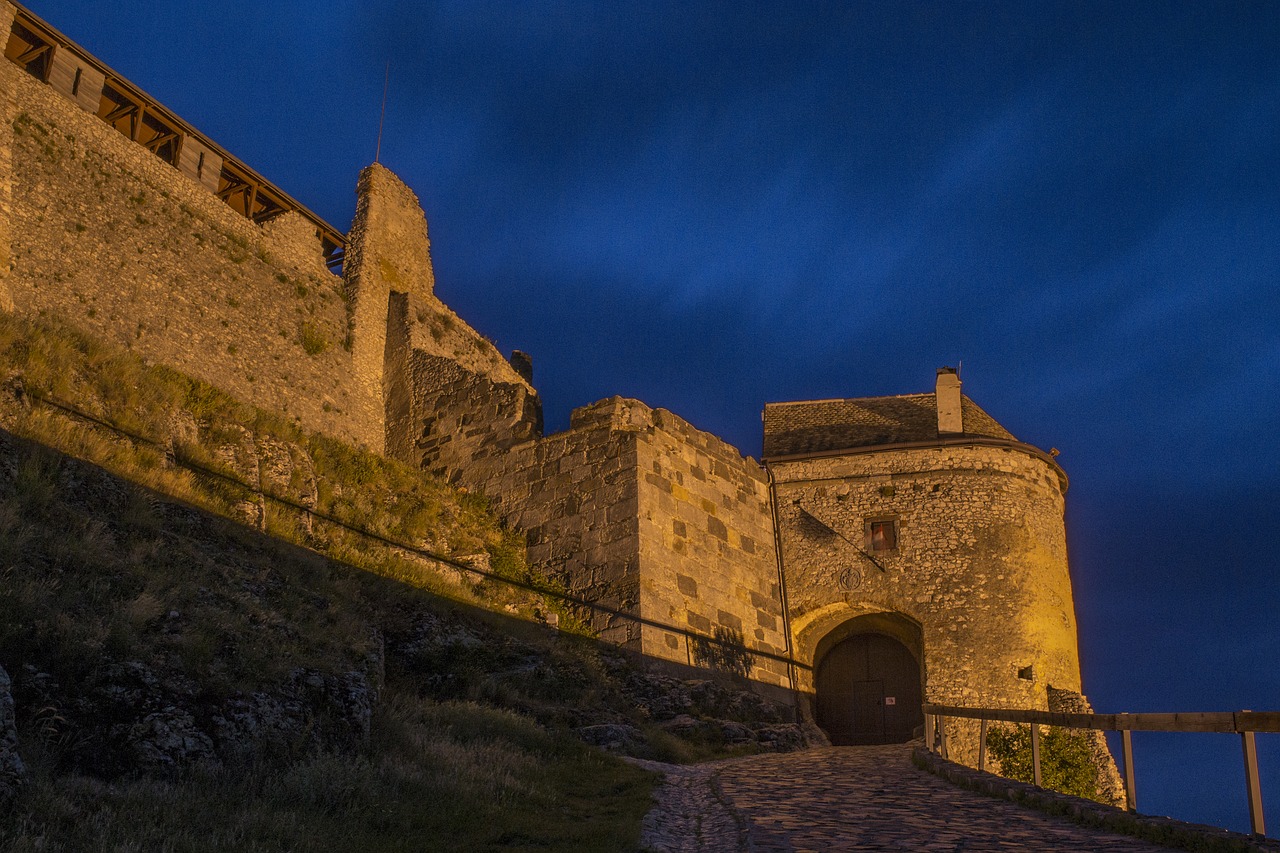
1251,784
1035,753
1130,788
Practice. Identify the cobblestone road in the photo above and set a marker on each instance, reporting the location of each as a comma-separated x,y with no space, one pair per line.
848,798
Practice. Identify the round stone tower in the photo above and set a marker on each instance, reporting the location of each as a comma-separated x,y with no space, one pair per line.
924,556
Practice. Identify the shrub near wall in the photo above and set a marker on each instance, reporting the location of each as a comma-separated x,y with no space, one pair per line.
1066,760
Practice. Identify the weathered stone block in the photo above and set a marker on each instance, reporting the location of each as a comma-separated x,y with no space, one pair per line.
699,622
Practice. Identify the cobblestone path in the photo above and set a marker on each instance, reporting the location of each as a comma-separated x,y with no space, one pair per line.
848,798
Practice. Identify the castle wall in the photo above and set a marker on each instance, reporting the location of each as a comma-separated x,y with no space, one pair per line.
388,252
574,496
981,564
8,95
110,237
463,402
631,508
706,555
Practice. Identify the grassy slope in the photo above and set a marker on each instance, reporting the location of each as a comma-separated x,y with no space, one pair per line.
433,777
95,571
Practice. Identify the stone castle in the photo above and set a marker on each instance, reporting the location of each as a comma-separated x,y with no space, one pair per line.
885,551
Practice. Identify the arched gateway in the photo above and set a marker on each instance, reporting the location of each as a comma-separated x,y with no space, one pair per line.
867,687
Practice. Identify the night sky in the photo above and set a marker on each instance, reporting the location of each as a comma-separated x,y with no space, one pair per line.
710,206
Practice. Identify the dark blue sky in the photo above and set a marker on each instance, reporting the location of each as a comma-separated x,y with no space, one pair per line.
710,206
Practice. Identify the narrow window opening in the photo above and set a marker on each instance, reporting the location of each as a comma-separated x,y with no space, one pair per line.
200,166
75,84
882,535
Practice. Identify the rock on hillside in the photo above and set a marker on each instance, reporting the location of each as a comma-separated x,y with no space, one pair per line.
12,769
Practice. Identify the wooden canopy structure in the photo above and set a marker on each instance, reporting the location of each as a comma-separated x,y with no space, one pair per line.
51,57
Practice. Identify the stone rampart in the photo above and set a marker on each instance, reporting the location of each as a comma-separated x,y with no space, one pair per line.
635,509
574,495
8,95
117,241
457,401
707,560
631,507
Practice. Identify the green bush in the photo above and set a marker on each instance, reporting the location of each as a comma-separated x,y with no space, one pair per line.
1066,760
313,339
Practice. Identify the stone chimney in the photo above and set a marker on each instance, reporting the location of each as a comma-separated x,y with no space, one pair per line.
950,420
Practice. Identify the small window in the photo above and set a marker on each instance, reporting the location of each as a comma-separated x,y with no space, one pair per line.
75,84
200,166
882,535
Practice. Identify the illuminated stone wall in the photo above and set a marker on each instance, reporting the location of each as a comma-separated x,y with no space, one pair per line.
631,508
388,251
706,555
107,236
980,565
8,94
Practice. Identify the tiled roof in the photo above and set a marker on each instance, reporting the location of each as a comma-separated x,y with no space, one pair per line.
830,425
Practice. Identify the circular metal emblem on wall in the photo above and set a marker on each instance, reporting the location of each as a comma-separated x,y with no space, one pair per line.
849,578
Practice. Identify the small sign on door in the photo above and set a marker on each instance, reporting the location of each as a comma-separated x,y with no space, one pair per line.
891,700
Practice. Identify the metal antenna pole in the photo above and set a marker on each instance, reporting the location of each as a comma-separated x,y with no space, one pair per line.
386,78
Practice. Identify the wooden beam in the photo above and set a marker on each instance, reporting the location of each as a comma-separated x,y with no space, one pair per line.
1212,721
158,140
1035,754
30,55
227,192
1252,785
119,113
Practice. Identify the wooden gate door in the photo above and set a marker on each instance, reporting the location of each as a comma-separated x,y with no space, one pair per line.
868,691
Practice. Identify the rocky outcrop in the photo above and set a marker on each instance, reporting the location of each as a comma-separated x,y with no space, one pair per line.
312,711
606,697
12,770
126,719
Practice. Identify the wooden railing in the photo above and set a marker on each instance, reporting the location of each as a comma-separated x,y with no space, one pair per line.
1244,723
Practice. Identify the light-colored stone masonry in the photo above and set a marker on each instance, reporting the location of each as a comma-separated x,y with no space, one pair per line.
706,553
980,568
8,83
631,508
388,250
118,242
